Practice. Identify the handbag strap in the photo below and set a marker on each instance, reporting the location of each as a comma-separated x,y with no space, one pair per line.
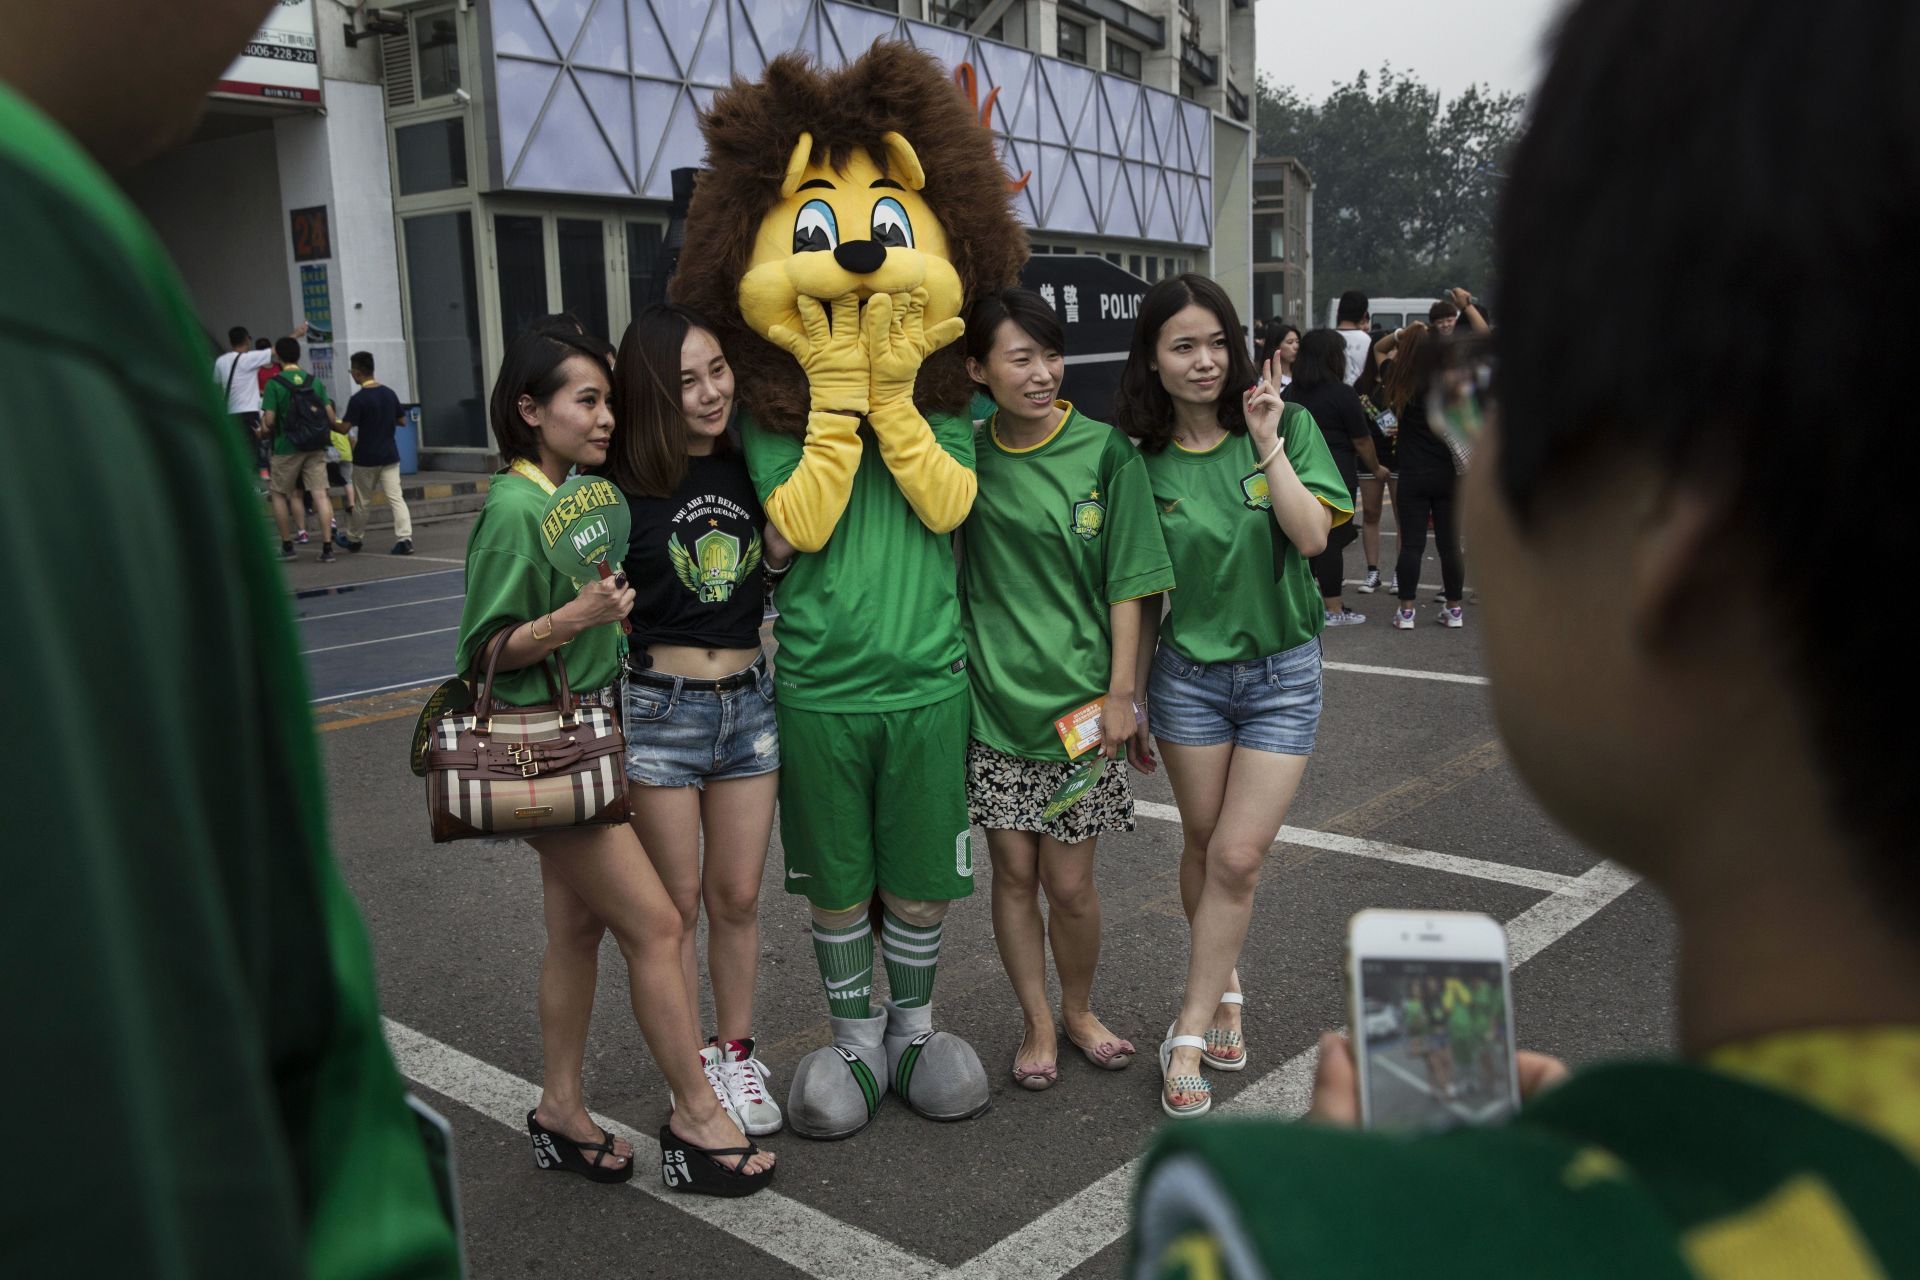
490,660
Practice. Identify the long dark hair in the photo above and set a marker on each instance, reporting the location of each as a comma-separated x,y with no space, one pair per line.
1322,358
1143,409
1276,333
649,454
535,366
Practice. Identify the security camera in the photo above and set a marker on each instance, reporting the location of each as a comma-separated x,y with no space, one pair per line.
462,96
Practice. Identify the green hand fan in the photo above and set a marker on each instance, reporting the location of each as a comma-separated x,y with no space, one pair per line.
1082,779
586,526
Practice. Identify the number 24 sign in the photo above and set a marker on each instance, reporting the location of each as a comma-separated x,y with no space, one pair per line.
311,239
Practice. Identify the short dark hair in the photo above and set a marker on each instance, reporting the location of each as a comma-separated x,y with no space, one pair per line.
1441,310
1022,306
361,360
287,350
534,366
1722,231
1143,409
238,336
261,344
649,453
1322,358
1353,308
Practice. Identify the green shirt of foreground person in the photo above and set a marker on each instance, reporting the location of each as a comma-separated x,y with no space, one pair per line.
1675,711
194,1039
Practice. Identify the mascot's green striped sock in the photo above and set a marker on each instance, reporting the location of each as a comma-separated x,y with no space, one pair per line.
845,954
911,952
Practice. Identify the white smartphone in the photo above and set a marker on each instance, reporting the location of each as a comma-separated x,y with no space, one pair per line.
1432,1019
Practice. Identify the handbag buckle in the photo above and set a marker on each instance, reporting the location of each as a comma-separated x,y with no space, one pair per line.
522,755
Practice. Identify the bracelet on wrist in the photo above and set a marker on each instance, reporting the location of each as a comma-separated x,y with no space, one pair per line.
533,628
1272,453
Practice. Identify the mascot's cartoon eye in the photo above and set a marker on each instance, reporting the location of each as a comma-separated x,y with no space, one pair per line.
891,226
815,229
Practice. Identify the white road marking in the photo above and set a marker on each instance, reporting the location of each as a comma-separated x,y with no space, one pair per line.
404,604
1404,673
385,688
315,593
361,644
1083,1224
803,1237
1453,864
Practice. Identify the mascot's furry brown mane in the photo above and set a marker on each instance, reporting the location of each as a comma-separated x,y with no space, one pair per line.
751,130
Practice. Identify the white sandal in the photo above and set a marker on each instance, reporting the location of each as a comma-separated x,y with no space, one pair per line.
1226,1040
1183,1084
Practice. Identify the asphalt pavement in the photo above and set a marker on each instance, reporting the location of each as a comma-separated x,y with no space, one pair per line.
1409,802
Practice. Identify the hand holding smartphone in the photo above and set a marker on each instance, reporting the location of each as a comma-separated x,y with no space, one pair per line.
1432,1012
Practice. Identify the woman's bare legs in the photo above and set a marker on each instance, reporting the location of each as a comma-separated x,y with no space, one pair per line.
1021,939
607,870
667,822
1073,927
568,972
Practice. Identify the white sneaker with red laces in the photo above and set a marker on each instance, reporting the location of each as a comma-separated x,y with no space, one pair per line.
743,1078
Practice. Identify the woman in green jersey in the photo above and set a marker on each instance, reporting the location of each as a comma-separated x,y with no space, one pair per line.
550,413
1247,492
1061,545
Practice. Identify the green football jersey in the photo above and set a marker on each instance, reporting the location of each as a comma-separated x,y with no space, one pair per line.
510,580
182,965
1245,591
1059,532
871,622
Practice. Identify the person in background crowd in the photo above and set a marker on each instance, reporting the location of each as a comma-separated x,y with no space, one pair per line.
1354,319
1336,409
1282,347
1441,317
235,371
703,750
294,391
340,476
1745,757
1382,428
373,415
187,976
1427,476
551,412
1247,492
1061,546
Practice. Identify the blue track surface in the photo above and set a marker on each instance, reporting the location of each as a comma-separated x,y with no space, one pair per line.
375,636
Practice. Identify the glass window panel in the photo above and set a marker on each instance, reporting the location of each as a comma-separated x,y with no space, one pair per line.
1123,60
1134,264
643,258
583,272
436,49
1073,41
520,250
446,330
431,156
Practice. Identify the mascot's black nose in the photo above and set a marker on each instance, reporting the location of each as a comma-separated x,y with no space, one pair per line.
860,256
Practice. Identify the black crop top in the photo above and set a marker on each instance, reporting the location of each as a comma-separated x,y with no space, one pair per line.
695,559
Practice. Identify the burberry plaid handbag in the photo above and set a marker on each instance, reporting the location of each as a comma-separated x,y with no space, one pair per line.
521,771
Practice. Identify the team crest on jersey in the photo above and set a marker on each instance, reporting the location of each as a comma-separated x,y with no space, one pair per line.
715,565
1088,515
1256,492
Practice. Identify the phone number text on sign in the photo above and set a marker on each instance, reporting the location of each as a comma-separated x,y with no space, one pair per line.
279,52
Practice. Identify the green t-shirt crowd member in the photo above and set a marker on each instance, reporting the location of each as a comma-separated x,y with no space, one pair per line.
510,581
277,396
1060,531
186,980
1245,592
871,621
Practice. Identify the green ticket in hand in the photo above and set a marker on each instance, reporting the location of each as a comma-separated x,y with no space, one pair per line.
1084,777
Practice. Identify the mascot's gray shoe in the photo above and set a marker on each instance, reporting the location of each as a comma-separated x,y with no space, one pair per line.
936,1072
837,1089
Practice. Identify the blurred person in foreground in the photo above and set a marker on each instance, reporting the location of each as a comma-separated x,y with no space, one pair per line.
185,978
1684,712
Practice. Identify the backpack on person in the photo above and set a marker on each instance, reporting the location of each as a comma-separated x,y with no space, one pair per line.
304,421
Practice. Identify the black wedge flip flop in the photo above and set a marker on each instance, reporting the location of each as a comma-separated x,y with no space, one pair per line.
702,1171
560,1154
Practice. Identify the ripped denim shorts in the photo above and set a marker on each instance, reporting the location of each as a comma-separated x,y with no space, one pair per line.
687,733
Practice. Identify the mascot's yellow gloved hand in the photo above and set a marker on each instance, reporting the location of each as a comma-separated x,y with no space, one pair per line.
833,356
898,340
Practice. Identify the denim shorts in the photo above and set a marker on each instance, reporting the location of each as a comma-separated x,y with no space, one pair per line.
1269,704
687,737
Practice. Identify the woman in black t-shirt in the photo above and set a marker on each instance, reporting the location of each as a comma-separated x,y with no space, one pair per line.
703,754
1427,479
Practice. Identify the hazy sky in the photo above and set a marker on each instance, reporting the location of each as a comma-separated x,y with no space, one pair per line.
1449,44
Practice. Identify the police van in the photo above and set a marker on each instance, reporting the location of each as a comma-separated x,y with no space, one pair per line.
1388,313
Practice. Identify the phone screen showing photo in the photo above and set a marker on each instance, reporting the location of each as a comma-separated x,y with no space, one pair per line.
1435,1036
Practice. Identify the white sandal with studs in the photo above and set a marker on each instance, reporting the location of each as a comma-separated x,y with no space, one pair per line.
1219,1039
1183,1084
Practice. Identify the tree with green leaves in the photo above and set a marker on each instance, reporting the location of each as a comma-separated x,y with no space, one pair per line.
1404,186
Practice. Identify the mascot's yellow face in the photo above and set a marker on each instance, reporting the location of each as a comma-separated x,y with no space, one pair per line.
859,230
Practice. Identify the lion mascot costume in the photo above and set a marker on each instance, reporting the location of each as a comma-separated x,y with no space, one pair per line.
842,221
